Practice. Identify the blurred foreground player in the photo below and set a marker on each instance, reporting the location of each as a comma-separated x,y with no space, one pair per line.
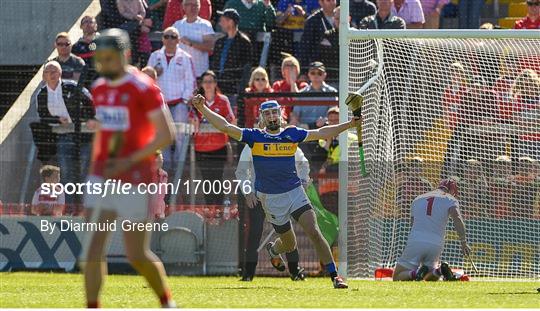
277,184
133,123
430,212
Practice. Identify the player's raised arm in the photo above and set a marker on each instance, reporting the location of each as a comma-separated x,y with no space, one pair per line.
460,228
215,119
330,131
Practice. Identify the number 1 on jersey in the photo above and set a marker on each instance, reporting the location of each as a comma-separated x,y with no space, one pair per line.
430,205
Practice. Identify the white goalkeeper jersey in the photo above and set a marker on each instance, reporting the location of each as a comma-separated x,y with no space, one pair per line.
430,212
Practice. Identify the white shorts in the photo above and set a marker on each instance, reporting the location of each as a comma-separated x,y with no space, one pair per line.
132,206
418,253
278,207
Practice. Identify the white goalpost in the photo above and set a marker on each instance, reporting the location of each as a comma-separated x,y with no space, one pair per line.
440,103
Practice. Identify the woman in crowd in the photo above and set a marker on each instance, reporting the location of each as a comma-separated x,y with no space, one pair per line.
211,146
291,82
258,83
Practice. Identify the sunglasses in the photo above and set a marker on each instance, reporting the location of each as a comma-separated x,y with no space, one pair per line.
530,3
167,37
63,44
208,81
260,79
316,73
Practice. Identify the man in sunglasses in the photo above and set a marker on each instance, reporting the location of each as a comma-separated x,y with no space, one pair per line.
71,64
314,116
532,20
176,78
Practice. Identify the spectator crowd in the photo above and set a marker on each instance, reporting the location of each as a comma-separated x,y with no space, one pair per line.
224,49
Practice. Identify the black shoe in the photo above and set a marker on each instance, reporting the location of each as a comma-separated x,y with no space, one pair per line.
446,272
246,279
276,261
299,275
421,273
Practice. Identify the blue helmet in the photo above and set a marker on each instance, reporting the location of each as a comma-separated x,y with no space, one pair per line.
270,105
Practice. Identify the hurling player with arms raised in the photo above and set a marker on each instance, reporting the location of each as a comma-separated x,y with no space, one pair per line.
277,184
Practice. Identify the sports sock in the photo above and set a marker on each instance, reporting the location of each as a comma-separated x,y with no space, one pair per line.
412,273
331,269
166,297
93,304
292,261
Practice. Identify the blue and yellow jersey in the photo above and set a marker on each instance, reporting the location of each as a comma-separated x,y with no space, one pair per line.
273,158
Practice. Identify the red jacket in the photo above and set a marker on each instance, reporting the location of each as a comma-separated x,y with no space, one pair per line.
282,86
527,23
209,142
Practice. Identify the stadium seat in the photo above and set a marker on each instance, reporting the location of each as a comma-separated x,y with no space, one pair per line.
507,22
517,9
222,248
179,245
184,241
190,220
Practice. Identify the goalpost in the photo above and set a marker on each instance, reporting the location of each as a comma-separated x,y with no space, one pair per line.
439,103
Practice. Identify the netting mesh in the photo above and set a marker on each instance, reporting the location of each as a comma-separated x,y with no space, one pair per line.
466,108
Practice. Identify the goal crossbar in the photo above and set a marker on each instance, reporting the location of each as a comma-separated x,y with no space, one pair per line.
440,34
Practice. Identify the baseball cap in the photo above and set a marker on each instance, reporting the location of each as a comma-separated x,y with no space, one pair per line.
318,66
230,13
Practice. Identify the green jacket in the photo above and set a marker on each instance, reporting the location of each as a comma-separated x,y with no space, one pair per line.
258,18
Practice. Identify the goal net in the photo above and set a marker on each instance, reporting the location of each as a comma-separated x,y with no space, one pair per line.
440,107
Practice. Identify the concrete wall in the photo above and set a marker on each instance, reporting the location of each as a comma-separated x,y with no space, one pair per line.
15,137
28,28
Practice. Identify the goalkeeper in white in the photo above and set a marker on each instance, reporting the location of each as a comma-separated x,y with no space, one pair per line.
430,212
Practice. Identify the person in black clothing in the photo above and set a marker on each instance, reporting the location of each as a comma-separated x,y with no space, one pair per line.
359,9
82,47
383,19
313,41
330,56
72,65
109,17
233,55
56,107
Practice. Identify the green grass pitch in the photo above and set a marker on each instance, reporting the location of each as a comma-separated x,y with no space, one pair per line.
58,290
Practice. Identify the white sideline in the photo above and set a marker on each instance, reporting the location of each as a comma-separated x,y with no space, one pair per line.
22,103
